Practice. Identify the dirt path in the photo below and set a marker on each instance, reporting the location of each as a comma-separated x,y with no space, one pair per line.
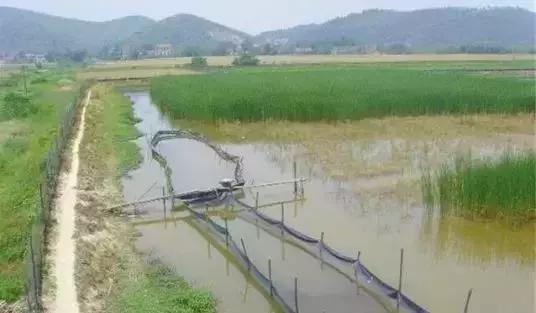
64,248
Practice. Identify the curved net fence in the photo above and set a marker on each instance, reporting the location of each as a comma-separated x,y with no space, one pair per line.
351,268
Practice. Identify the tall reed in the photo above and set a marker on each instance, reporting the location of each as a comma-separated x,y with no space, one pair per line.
485,188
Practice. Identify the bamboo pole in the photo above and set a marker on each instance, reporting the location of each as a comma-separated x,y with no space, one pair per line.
469,294
246,253
297,308
270,277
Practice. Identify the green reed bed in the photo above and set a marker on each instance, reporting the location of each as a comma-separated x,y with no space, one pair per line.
485,188
332,93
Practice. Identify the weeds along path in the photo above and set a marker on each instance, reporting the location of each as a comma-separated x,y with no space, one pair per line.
64,247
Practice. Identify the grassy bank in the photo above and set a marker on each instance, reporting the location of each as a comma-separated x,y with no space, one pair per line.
28,125
156,288
112,276
504,188
332,93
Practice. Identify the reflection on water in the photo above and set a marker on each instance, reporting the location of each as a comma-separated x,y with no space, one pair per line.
205,264
444,257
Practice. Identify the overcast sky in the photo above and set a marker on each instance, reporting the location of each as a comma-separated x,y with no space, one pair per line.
247,15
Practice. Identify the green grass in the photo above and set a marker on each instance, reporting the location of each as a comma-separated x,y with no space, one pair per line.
332,93
22,157
142,287
504,188
118,123
157,289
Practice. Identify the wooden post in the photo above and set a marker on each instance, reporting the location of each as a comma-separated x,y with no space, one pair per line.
257,202
295,179
206,212
400,279
322,238
296,294
246,253
466,309
270,277
226,233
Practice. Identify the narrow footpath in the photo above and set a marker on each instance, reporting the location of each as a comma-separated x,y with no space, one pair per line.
63,268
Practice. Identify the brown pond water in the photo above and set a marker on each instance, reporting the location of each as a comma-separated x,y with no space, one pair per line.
444,257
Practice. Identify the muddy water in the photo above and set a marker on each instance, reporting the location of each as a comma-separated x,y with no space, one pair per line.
444,257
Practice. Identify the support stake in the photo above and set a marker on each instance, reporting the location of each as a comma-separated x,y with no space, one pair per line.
356,269
295,179
296,294
400,279
226,233
257,201
270,277
164,198
246,254
466,309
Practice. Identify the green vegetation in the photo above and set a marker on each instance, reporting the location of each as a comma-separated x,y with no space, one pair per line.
332,93
119,124
157,289
485,188
22,153
246,60
199,62
140,286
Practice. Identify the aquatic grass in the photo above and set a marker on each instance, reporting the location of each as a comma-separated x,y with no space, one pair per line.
335,93
503,188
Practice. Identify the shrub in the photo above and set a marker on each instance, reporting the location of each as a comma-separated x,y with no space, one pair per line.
246,60
199,62
17,105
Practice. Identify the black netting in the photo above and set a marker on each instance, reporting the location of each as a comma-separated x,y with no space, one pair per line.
373,283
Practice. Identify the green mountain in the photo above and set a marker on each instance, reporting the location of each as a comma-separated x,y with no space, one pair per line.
431,30
22,30
187,31
421,30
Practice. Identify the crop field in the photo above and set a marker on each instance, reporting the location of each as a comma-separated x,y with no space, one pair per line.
486,188
129,73
336,93
324,59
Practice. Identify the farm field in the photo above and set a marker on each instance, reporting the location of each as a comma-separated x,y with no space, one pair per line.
327,59
365,184
364,134
27,127
338,93
129,73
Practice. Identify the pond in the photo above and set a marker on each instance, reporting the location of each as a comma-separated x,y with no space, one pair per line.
444,256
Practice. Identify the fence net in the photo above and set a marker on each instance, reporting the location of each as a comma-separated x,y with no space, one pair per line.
47,192
351,267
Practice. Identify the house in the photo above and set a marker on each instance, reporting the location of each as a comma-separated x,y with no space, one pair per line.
163,50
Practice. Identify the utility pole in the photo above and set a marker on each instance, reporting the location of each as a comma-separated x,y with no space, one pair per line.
24,78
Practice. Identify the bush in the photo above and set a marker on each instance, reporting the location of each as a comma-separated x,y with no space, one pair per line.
17,105
246,60
199,62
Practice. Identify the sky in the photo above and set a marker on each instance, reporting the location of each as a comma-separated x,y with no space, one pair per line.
251,16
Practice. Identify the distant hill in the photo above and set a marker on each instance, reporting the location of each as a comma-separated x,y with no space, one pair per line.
22,30
431,30
187,31
422,30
